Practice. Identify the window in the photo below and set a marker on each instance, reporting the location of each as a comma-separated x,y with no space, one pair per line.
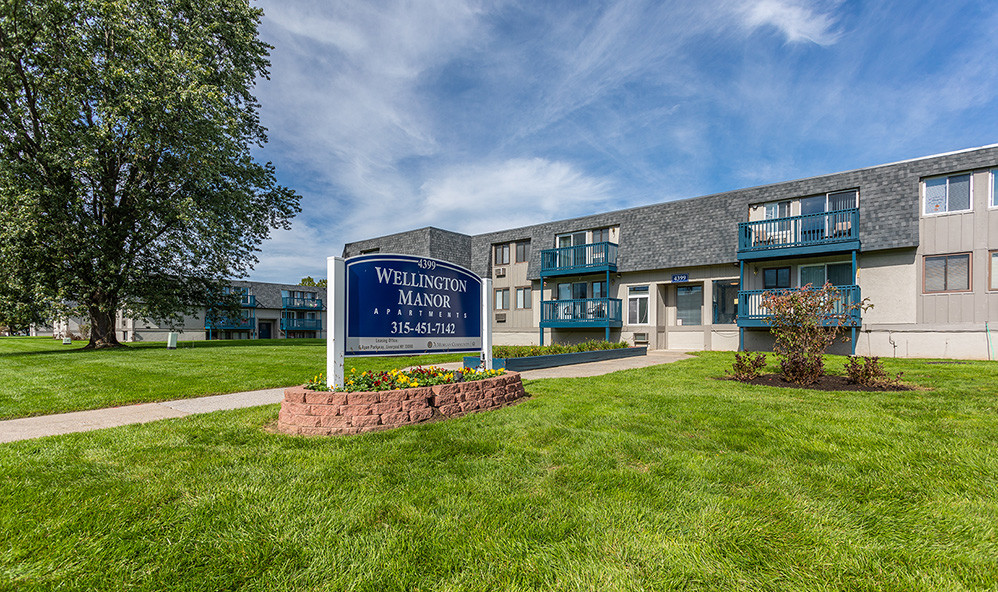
993,270
523,298
779,209
776,277
522,251
637,305
947,273
836,274
994,188
502,254
502,299
601,235
599,290
725,302
689,304
947,194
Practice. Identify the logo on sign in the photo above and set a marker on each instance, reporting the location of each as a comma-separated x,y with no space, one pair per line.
680,277
406,304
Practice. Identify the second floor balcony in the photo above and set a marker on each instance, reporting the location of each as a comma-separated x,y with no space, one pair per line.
247,323
301,303
811,234
301,324
581,312
751,313
580,259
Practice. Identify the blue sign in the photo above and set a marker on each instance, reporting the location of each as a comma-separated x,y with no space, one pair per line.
680,277
403,304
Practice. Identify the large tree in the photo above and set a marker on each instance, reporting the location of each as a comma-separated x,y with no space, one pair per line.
126,175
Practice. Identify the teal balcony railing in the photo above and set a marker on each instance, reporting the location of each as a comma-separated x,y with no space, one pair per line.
302,303
247,323
591,258
583,312
301,324
752,314
826,232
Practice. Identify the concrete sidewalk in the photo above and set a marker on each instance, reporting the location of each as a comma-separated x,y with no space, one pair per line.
12,430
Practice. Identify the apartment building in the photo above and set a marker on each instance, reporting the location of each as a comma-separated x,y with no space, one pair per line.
268,311
918,238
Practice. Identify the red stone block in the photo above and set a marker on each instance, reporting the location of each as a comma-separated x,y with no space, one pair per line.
417,415
412,404
334,421
326,409
475,387
356,410
295,394
444,399
383,408
363,421
291,430
470,406
363,398
326,398
392,396
491,393
314,431
446,389
418,393
296,408
395,419
310,421
450,410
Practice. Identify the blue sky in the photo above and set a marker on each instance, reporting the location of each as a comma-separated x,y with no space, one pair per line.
482,115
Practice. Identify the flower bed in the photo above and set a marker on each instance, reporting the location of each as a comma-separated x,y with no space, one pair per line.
313,412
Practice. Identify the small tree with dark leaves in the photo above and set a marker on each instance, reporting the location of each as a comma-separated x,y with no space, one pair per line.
805,321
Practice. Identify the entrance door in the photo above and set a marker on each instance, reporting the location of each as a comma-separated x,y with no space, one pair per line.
265,329
571,257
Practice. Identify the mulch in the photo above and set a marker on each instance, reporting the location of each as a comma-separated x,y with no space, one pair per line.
829,382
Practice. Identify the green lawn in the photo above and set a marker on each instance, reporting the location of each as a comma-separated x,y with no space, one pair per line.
40,375
649,479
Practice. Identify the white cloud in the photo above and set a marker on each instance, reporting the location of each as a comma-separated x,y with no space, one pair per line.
798,21
521,191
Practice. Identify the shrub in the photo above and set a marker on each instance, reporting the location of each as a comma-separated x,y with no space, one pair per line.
805,321
869,371
747,366
523,351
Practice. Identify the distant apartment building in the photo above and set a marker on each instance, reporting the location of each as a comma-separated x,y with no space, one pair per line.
268,311
919,238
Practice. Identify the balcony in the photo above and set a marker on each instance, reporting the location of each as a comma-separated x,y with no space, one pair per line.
302,303
752,314
580,259
583,312
812,234
237,324
248,302
301,324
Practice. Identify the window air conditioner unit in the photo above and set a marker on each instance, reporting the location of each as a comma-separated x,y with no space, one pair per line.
500,272
640,338
500,317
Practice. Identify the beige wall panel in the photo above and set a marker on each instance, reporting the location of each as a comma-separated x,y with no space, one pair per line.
515,338
724,340
890,281
686,340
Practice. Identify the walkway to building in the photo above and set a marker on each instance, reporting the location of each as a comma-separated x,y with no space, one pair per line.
27,428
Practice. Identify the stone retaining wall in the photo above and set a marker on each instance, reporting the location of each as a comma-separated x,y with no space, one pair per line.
323,413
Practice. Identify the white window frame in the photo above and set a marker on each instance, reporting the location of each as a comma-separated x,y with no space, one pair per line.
992,190
639,296
947,176
501,297
992,276
776,204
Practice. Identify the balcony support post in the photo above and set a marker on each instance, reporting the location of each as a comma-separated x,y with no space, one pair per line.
854,341
741,286
607,295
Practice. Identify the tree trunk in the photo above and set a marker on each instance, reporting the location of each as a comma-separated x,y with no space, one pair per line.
103,318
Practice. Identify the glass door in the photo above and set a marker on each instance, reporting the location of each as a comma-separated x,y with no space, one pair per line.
812,227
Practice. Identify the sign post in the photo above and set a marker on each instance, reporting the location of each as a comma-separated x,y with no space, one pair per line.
486,363
390,304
